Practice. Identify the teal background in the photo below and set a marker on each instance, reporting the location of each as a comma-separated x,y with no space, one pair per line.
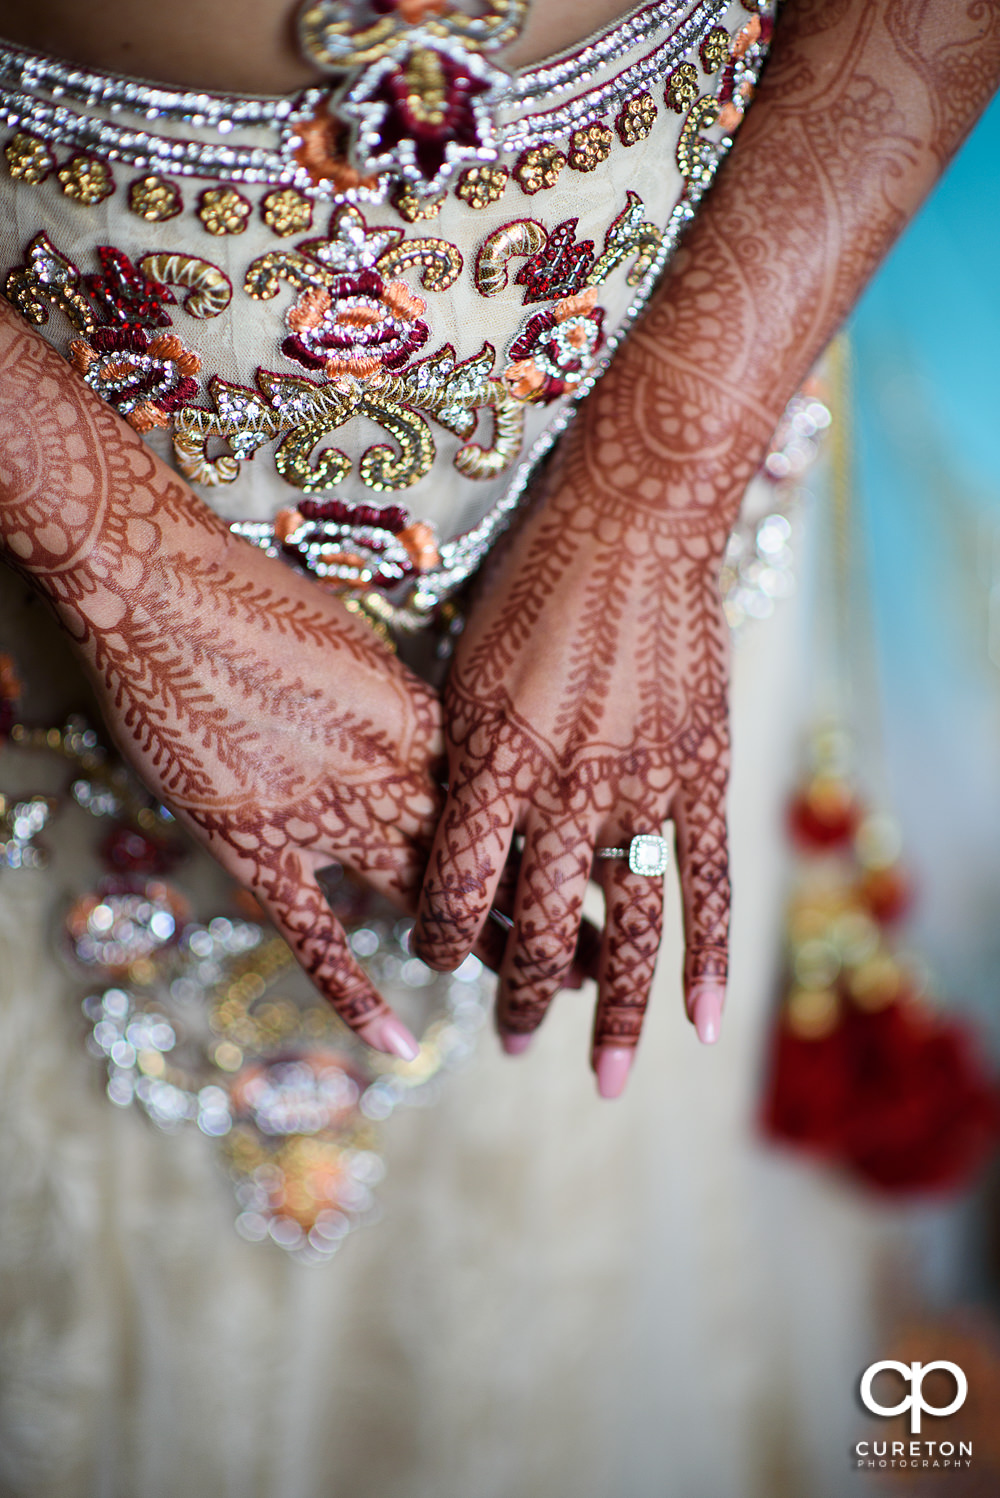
926,448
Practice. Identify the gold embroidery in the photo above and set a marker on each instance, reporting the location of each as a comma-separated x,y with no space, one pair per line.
86,180
523,237
697,157
714,50
210,290
412,206
302,414
48,278
629,234
287,212
636,119
539,168
482,185
155,199
144,378
682,87
589,147
28,159
439,262
224,211
359,327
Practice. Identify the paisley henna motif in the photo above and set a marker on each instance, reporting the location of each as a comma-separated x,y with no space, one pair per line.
587,700
272,722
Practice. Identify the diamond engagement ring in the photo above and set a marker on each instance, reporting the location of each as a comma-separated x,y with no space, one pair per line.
647,854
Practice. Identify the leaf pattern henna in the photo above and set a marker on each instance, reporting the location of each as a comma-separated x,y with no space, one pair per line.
272,722
588,696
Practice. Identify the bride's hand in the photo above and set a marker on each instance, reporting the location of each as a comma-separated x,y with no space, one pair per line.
586,705
272,722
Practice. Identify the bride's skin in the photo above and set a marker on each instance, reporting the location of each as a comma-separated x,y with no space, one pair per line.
587,699
242,46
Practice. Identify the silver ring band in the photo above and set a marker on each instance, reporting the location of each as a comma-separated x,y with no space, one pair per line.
647,853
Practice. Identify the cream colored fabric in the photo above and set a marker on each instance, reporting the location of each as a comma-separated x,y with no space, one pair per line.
565,1298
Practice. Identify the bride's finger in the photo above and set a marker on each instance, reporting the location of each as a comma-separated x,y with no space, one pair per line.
633,925
292,898
464,869
703,862
555,870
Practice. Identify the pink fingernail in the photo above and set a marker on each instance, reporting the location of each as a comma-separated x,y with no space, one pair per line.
613,1065
706,1012
389,1035
515,1045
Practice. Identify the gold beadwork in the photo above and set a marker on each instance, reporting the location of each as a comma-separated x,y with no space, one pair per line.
210,291
589,147
28,159
539,167
224,211
635,121
412,206
155,199
682,87
48,279
286,212
87,181
482,185
714,50
523,237
697,157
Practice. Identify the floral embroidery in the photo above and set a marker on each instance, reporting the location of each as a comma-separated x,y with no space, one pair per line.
420,101
559,268
557,264
589,147
482,185
319,146
286,212
28,159
538,168
370,545
87,180
556,349
636,119
714,50
682,87
355,321
123,294
155,199
223,210
412,206
145,379
358,325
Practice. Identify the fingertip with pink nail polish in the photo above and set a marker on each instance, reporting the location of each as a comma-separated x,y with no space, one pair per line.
706,1014
612,1064
389,1035
515,1045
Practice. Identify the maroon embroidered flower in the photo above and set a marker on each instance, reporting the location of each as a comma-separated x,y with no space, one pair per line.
557,348
420,114
144,378
359,325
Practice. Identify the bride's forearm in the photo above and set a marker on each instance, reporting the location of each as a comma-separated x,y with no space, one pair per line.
861,107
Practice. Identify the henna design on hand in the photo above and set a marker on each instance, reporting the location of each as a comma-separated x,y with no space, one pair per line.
588,696
273,723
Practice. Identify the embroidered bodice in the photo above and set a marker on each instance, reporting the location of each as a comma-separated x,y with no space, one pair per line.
357,318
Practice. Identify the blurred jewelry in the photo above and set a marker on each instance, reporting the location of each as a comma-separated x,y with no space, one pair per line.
647,853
